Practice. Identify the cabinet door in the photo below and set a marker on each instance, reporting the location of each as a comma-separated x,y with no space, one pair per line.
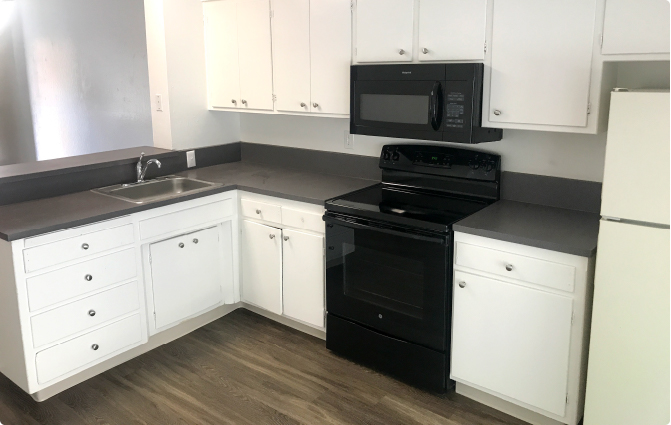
640,26
303,276
262,266
628,369
291,54
452,29
512,340
187,275
330,55
221,53
541,61
384,30
255,56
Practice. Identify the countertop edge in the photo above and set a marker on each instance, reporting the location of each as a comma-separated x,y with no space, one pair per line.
524,241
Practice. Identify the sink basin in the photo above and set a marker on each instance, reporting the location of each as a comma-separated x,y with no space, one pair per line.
155,190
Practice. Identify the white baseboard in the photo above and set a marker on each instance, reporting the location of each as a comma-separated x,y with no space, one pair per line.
308,329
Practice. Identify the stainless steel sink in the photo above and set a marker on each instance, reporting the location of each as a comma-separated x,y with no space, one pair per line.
155,190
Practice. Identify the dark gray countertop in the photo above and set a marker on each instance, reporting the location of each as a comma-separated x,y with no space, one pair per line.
40,216
556,229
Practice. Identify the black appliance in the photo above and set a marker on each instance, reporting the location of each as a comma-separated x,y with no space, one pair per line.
419,101
389,259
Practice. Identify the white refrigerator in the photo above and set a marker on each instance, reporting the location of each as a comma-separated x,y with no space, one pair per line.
628,367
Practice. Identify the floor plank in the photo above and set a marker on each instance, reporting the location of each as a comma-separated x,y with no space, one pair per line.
248,370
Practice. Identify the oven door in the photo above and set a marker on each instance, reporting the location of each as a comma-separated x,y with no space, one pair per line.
392,280
412,109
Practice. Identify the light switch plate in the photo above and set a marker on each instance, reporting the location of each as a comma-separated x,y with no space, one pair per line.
191,159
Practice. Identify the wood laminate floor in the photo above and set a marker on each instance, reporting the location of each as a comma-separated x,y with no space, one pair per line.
243,369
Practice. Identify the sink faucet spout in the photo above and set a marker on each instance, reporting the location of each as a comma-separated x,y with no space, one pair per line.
142,170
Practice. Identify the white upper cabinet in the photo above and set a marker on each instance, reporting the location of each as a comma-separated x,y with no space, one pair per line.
541,63
452,30
291,54
636,27
221,47
256,67
330,55
384,30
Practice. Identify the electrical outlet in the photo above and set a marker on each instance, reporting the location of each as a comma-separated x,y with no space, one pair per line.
349,140
191,159
159,103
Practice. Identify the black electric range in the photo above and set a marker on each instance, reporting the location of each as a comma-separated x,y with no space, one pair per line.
389,259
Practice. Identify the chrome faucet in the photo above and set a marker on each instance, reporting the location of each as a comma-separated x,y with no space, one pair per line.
141,171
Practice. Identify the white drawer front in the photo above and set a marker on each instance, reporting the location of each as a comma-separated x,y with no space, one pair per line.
78,247
514,266
186,219
60,285
302,220
261,211
63,358
76,317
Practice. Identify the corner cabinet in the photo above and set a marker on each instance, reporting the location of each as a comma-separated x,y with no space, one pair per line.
519,327
288,56
282,257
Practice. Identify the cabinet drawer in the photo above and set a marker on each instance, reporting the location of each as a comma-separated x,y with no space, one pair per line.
53,287
186,219
261,211
63,358
302,220
81,246
514,266
83,314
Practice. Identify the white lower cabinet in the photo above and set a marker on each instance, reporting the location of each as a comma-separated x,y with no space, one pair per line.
519,324
262,266
282,258
303,276
187,274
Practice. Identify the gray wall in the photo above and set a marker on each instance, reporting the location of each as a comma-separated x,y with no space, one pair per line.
87,71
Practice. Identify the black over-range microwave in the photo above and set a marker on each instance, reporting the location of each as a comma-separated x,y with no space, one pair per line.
420,101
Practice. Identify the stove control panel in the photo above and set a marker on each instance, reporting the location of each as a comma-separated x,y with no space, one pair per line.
441,160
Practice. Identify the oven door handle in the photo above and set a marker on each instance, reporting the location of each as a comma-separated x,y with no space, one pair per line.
404,234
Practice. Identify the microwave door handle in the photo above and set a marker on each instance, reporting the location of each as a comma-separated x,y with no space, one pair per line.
411,235
436,109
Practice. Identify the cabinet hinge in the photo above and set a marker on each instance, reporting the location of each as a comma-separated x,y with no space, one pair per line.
572,317
274,98
566,398
351,5
485,47
601,40
272,14
589,108
149,258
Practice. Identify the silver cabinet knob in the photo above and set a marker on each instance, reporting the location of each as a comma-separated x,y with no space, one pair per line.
94,347
233,101
272,236
92,313
195,240
509,267
425,50
303,105
401,52
315,105
258,211
181,245
88,278
85,246
244,102
497,112
286,238
462,284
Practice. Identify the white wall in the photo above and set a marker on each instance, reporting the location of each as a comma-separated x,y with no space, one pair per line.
191,123
87,72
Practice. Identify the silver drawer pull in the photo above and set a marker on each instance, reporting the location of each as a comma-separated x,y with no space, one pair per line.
195,240
497,112
272,236
425,50
258,211
94,347
303,105
92,313
181,245
401,52
509,267
315,105
286,238
462,284
85,246
88,278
